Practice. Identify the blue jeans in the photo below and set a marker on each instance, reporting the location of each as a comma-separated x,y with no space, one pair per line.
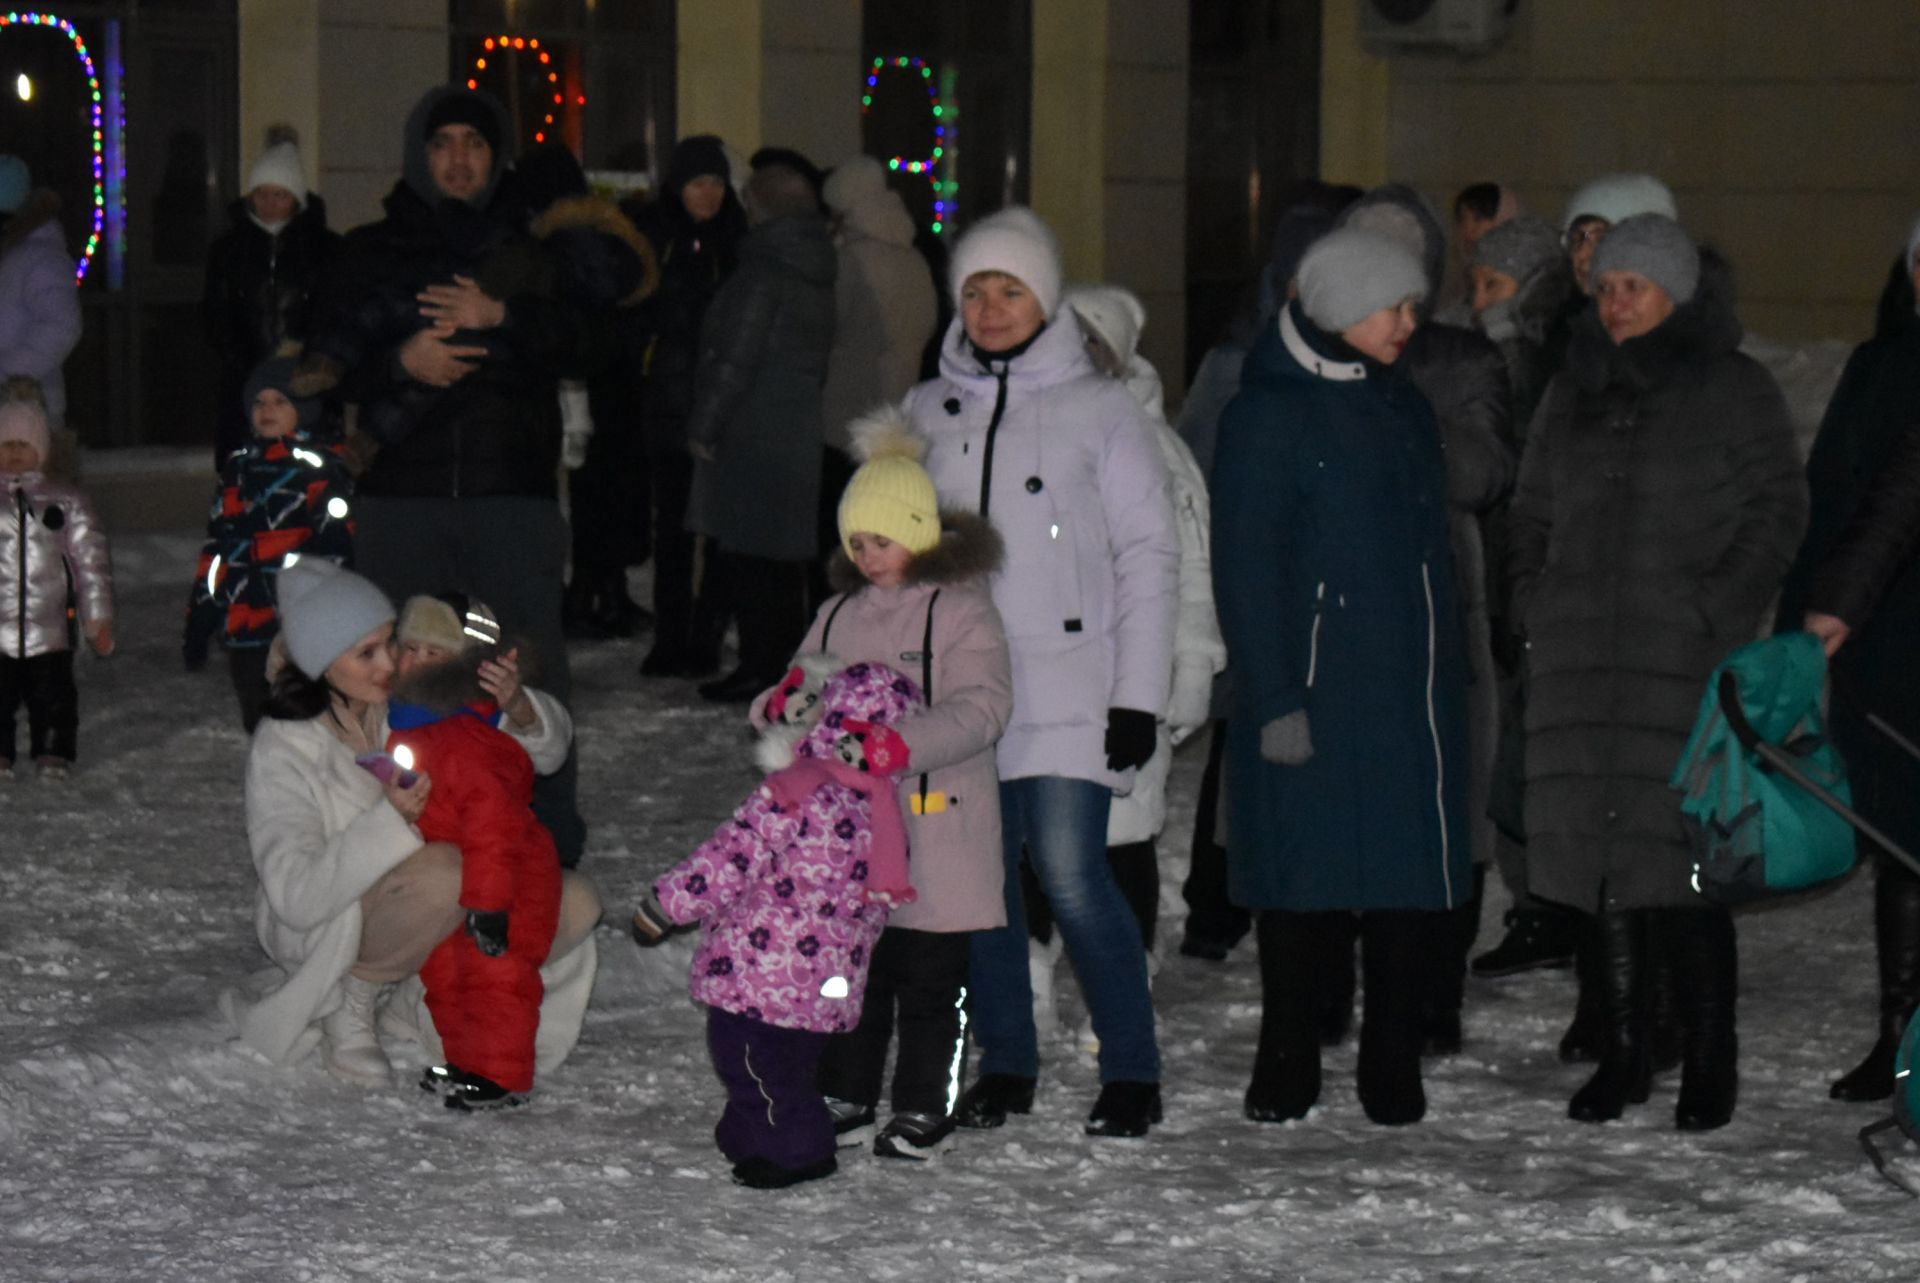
1061,824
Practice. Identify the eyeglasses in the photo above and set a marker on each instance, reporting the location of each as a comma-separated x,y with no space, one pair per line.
1587,231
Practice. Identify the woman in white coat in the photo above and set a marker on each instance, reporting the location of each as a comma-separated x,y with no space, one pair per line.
350,900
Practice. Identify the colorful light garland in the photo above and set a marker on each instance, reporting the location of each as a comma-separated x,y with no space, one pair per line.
17,19
517,44
943,189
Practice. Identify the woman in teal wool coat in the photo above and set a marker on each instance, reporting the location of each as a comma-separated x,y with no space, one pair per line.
1346,762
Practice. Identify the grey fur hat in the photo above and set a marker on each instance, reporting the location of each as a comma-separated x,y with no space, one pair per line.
1657,248
1520,247
1349,274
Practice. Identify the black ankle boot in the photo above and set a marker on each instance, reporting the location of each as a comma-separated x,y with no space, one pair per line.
987,1103
1625,1075
1896,937
1705,962
1125,1109
1394,947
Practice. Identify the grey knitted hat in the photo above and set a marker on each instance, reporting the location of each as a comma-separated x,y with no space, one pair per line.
1350,274
324,610
1656,247
1519,247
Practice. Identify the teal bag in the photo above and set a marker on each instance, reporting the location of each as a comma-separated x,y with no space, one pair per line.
1906,1107
1756,828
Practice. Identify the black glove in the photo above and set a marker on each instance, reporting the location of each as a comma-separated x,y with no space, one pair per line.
489,931
650,924
1131,736
194,653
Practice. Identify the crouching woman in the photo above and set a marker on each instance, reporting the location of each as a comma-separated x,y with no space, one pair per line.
1346,756
351,901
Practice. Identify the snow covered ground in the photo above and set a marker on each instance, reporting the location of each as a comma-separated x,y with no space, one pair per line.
138,1141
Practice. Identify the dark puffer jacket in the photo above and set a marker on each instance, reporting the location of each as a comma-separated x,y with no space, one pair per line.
259,295
695,260
763,367
1659,504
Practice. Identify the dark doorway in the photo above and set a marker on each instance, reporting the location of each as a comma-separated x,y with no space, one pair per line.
1253,128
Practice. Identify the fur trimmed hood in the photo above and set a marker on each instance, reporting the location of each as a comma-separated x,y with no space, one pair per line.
969,548
597,214
1704,327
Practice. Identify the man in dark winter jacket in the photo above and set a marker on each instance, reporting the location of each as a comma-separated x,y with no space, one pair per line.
755,432
462,486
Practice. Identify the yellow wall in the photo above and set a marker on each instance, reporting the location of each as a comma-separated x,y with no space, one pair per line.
1067,160
280,77
1355,90
719,71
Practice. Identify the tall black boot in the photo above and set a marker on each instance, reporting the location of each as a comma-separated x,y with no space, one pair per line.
1453,934
1896,939
1625,1074
1334,983
1393,951
1665,1036
1706,985
1286,1068
1586,1037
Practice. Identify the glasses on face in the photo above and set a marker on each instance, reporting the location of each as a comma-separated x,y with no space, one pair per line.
1587,232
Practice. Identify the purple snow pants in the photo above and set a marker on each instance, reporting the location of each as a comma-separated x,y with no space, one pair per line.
774,1109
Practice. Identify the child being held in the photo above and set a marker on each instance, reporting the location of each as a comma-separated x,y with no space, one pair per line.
48,538
282,495
483,989
794,892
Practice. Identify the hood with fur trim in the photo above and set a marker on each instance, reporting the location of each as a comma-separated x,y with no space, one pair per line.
969,549
579,220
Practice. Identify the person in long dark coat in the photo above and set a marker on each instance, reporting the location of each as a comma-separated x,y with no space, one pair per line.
696,227
1347,742
755,432
1856,582
261,275
1659,505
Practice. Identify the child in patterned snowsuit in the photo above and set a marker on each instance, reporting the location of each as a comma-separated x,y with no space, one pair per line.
282,495
793,892
483,985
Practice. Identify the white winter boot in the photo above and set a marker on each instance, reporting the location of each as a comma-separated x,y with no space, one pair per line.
350,1048
1041,960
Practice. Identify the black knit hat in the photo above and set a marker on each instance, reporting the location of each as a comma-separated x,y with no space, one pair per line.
464,107
697,156
276,372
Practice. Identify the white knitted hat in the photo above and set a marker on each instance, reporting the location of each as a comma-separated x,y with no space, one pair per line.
1111,313
279,166
1014,241
324,609
1618,197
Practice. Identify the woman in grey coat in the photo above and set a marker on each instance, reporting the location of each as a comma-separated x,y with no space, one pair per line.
1660,502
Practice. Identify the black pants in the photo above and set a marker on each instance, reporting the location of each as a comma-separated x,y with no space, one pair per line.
609,505
247,666
770,604
921,975
44,684
836,470
510,551
670,482
1210,915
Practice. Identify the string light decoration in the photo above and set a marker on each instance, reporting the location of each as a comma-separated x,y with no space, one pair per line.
503,47
65,28
930,164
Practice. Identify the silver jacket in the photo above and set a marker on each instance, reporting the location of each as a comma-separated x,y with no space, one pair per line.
45,525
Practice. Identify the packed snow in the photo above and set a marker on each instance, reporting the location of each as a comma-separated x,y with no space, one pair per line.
138,1140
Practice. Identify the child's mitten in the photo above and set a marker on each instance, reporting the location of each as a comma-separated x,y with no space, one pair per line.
877,750
651,925
489,931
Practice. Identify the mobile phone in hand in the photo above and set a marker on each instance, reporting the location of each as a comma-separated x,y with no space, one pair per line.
384,768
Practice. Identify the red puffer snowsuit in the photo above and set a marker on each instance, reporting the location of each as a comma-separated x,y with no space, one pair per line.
487,1010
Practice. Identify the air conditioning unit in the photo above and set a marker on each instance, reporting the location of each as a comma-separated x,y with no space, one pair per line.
1464,26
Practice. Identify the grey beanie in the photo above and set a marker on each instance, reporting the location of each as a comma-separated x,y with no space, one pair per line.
1349,274
324,609
1656,247
1520,247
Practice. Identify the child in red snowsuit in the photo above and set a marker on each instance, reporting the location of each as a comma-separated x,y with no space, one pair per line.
483,981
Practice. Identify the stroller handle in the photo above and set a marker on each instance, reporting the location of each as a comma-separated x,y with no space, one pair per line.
1729,692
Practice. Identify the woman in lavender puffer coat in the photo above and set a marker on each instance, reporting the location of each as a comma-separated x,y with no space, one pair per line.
792,893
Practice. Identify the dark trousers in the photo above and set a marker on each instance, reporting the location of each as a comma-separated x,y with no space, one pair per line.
247,666
44,684
1210,915
510,551
610,510
916,982
836,469
774,1108
670,482
770,604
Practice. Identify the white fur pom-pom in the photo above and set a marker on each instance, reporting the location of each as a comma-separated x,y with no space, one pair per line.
885,432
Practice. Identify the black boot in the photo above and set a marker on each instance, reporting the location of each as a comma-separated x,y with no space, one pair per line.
615,612
987,1103
1335,979
1535,938
1665,1038
1586,1036
1625,1075
578,607
1896,938
1705,962
1453,935
1393,949
1286,1068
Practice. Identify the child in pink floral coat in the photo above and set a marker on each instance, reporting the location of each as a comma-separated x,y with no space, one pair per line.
793,892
